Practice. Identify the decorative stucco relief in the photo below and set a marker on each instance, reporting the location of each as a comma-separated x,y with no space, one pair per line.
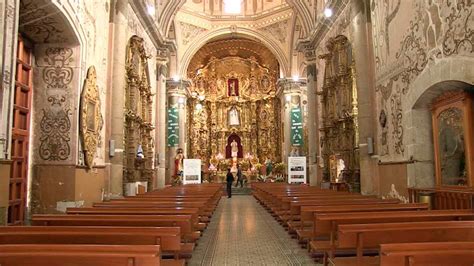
278,30
440,29
55,124
189,31
42,22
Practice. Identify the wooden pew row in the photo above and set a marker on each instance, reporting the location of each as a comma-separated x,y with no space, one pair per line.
142,211
188,234
169,238
203,211
324,236
304,234
370,236
295,218
79,255
431,253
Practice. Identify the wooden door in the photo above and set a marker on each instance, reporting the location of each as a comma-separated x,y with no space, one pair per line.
20,134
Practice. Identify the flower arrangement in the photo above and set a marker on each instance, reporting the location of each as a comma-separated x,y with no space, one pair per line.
279,168
224,164
245,165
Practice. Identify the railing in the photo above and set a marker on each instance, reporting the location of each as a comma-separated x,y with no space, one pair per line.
445,198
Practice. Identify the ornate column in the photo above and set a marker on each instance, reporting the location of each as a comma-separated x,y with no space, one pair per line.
290,92
160,119
177,96
313,132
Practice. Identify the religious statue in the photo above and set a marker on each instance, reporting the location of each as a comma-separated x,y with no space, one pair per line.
268,166
234,117
234,149
233,87
178,163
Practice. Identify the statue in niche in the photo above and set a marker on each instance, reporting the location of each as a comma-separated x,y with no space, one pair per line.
265,83
233,87
178,163
234,119
234,149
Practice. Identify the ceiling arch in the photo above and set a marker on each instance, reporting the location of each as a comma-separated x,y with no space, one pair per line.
245,33
241,47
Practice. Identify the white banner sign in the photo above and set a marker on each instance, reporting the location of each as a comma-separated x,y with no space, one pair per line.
297,170
191,171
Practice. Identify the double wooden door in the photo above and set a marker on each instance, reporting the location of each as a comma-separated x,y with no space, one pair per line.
20,134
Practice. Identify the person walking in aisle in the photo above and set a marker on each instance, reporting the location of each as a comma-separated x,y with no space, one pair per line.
240,179
229,179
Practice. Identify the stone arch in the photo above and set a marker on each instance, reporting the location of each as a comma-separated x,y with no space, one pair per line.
445,75
58,43
244,32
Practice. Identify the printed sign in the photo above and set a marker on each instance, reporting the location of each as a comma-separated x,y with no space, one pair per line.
173,127
191,171
296,127
297,170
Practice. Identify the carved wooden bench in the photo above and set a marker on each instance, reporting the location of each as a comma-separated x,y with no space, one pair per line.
169,238
430,253
370,236
78,255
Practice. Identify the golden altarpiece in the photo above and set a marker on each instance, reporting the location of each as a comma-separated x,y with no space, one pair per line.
138,140
340,140
233,99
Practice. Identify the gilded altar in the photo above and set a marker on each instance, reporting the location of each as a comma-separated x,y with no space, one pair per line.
138,141
233,101
340,139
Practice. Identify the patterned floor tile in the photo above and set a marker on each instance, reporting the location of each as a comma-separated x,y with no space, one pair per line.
242,232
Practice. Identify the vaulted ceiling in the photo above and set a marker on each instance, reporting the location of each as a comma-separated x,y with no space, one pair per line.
243,48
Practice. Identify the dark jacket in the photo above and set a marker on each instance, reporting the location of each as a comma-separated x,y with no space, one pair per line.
229,177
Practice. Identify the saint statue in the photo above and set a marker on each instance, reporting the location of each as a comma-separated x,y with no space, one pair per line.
268,166
234,117
234,149
178,163
233,89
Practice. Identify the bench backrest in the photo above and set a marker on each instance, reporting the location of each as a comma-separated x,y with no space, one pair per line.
326,223
169,238
181,221
372,235
75,255
431,253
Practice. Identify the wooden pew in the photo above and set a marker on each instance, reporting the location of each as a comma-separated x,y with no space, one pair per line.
203,211
325,224
142,211
308,212
79,255
188,234
430,253
371,236
169,238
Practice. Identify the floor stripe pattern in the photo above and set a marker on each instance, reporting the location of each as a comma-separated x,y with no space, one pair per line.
242,232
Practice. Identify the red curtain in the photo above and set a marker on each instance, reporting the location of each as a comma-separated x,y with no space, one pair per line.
228,148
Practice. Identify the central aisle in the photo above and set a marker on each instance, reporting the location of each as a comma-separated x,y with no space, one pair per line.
242,232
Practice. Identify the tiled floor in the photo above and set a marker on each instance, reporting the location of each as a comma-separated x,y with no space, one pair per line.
242,232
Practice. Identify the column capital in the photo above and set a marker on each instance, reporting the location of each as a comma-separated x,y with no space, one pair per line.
178,87
308,50
290,86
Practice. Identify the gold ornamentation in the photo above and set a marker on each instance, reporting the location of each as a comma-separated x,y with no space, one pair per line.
252,112
138,114
340,110
91,117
